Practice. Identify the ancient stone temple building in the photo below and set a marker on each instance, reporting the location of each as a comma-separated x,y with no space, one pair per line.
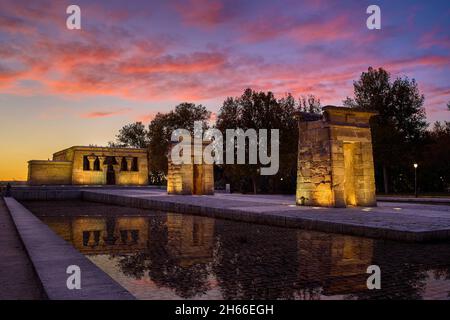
91,166
335,162
190,178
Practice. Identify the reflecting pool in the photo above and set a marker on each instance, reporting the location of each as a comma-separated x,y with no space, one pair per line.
160,255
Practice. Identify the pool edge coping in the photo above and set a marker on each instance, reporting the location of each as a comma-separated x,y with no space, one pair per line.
51,265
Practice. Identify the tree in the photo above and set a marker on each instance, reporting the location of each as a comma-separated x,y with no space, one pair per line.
310,104
133,135
160,130
435,159
157,137
261,110
401,121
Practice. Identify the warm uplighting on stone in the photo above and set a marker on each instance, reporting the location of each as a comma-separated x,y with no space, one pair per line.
190,178
335,162
91,166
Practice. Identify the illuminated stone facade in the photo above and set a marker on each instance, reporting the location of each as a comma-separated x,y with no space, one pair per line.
190,178
91,166
335,162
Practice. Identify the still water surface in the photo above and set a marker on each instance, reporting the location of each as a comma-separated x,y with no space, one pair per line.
157,255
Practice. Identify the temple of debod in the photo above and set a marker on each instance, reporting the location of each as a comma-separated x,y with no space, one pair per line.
91,166
335,164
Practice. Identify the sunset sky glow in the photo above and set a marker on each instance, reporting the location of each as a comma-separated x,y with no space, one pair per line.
132,59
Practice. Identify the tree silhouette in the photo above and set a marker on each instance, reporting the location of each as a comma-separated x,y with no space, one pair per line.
132,135
398,129
157,137
261,110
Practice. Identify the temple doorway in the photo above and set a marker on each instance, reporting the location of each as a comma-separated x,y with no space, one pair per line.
349,174
198,179
110,175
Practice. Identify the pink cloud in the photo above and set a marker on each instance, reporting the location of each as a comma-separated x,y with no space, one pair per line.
145,118
436,98
114,61
195,62
104,114
434,61
14,24
338,27
434,38
203,13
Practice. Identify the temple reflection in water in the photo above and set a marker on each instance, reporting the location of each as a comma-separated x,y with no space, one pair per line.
96,235
337,262
165,255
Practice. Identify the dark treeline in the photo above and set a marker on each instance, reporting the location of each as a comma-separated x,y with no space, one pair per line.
401,136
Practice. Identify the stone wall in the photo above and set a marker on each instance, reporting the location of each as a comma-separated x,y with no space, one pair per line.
43,172
314,185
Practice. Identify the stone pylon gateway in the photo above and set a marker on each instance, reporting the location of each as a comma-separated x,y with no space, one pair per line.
190,178
335,162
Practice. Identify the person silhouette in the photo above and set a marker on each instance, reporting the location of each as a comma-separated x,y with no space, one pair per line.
8,190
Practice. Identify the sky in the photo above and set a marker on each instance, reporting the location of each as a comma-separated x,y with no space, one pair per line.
132,59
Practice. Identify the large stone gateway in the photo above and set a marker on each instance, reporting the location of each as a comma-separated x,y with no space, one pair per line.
190,178
335,162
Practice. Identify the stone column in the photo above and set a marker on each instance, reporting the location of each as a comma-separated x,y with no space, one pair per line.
117,168
102,236
103,168
101,159
117,165
91,159
129,163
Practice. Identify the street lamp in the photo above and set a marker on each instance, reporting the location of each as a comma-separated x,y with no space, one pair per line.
415,178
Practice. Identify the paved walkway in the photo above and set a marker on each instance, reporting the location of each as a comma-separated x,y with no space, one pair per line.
429,200
18,279
397,221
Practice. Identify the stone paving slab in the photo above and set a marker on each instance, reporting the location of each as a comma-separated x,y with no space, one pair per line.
51,256
395,221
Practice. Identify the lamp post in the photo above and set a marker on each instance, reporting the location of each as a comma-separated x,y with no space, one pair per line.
415,178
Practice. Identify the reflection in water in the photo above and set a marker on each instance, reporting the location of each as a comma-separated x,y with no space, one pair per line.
95,235
166,256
